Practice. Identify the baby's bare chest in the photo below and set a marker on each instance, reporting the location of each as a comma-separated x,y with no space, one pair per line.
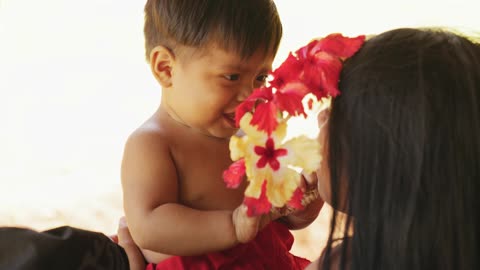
200,170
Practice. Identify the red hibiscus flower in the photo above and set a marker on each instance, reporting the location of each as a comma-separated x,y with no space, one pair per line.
296,200
233,176
322,72
259,96
262,205
334,44
289,71
269,155
289,98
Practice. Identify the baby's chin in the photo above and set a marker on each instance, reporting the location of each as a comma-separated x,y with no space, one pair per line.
224,133
235,132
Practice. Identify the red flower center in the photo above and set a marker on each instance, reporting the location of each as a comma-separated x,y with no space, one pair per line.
269,154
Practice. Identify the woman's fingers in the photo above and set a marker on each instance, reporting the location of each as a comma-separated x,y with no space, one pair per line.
125,240
309,181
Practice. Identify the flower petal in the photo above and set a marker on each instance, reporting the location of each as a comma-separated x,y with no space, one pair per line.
289,98
322,74
279,133
264,94
280,189
259,150
254,188
296,199
274,162
303,153
244,107
259,95
262,162
310,104
334,44
237,147
287,72
258,206
265,117
339,45
233,176
253,134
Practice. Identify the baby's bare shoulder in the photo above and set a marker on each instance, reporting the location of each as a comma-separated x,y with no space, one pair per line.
149,143
148,173
151,134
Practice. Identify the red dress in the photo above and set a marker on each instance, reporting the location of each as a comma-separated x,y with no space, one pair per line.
269,250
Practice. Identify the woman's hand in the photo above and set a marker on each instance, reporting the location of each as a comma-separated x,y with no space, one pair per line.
135,257
299,219
309,182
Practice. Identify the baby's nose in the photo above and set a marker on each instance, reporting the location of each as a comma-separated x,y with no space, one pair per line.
244,93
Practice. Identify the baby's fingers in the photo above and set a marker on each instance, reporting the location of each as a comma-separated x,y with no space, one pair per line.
246,227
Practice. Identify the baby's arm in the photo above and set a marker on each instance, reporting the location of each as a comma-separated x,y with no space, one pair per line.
157,220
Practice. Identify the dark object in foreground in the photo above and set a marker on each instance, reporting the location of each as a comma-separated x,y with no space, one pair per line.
59,248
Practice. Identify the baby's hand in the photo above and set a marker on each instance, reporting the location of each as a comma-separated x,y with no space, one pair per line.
246,227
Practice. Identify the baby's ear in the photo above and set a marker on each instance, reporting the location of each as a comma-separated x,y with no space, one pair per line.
161,62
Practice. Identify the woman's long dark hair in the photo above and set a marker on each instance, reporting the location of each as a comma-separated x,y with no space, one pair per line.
404,138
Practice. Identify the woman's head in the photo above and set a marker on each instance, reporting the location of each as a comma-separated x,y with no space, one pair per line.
403,151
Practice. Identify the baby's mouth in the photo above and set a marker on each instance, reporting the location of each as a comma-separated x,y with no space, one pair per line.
230,117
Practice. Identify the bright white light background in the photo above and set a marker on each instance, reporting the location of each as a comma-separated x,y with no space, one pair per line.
74,84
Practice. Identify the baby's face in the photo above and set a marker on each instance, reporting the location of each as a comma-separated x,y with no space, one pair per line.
207,88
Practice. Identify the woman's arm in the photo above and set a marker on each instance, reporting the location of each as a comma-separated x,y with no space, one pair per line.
135,257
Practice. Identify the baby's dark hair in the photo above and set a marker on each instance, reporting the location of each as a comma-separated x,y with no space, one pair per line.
404,138
243,26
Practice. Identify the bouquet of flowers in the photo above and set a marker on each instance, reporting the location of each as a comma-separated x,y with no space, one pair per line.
269,161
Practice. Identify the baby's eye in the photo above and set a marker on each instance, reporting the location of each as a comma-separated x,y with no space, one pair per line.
232,77
262,78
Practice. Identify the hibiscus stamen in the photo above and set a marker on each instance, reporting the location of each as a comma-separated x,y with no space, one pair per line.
269,154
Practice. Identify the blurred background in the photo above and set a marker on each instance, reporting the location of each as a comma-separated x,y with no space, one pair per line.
74,84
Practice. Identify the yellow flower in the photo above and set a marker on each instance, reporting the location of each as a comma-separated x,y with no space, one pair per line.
269,158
